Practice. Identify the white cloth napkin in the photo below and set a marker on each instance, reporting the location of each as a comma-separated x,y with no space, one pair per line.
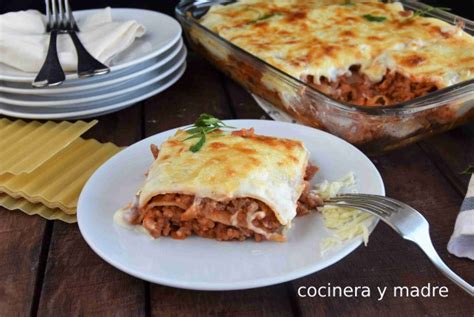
461,243
24,41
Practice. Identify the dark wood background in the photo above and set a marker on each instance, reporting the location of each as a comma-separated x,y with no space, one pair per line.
464,8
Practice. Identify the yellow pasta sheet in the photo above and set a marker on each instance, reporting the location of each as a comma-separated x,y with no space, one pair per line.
27,145
58,182
29,208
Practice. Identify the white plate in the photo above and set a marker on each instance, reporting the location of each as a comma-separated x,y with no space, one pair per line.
94,82
95,109
204,264
77,99
162,31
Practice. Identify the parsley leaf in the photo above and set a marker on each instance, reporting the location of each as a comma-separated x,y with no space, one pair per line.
196,147
264,17
349,3
205,124
374,18
469,169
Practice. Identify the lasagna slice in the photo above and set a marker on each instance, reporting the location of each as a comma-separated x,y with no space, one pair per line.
238,185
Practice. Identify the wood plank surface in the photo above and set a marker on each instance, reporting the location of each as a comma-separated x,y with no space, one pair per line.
21,260
202,90
242,104
198,91
268,301
77,282
452,153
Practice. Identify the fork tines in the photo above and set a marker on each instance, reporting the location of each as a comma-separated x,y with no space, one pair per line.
66,16
379,205
51,15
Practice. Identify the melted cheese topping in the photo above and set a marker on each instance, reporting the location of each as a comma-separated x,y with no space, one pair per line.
325,38
346,223
229,166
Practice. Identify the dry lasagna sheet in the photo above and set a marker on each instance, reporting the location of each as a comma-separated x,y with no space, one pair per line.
29,208
27,145
387,53
58,182
44,166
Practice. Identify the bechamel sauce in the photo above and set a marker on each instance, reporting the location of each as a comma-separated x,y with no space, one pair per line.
122,218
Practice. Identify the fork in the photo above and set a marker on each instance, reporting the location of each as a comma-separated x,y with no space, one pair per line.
87,65
61,20
405,220
51,73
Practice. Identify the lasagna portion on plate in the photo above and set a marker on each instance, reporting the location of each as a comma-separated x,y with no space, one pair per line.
237,185
360,52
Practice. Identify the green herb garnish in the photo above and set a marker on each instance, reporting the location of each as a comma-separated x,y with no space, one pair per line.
264,17
205,124
469,169
374,18
349,3
422,12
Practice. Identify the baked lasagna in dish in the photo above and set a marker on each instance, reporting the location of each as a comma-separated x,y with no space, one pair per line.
236,185
365,53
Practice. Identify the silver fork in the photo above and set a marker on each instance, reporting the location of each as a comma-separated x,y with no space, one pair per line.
405,220
87,65
51,73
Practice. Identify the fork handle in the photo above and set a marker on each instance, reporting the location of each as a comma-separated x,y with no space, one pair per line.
87,65
430,251
51,73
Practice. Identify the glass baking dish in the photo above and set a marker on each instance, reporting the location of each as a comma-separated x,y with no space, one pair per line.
373,129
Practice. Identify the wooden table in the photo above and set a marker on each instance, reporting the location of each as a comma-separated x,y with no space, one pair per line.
48,269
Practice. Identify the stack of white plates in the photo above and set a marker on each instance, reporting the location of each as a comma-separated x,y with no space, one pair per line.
153,63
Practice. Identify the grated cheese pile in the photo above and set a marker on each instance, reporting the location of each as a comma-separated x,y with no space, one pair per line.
346,223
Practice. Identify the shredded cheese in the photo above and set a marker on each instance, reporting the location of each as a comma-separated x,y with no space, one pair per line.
346,223
326,189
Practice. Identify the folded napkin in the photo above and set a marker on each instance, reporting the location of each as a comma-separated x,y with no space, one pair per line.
24,41
461,243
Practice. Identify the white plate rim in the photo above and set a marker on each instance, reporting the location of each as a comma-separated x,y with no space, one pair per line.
246,284
31,76
99,84
80,101
115,106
